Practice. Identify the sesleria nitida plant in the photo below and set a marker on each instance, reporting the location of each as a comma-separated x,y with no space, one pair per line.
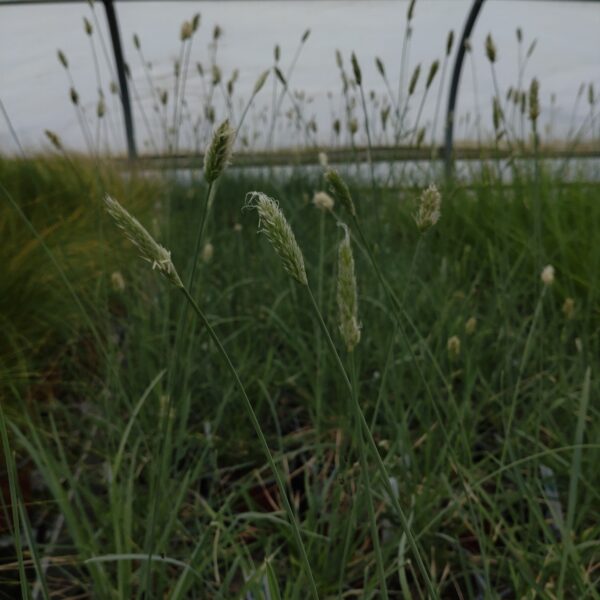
160,259
274,225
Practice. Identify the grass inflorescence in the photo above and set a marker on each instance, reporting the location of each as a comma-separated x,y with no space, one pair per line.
421,425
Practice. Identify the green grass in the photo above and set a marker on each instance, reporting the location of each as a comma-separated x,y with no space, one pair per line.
149,454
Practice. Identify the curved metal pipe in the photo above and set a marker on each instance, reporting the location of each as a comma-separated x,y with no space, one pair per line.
458,63
113,26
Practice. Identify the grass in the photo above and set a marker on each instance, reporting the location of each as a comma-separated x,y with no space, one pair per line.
155,481
238,440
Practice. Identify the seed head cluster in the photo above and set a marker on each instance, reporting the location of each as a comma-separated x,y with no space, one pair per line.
219,152
260,82
272,222
534,100
547,275
490,48
149,249
323,201
347,297
340,190
429,211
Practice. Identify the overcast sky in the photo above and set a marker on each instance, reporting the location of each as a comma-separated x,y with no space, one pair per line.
34,87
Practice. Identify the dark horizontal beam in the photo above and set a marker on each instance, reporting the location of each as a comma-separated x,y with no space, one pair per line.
27,2
304,157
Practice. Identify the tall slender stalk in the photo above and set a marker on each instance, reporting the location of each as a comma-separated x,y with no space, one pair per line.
364,467
262,439
288,76
412,542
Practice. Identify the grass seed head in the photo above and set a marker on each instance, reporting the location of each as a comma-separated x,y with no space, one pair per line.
87,26
449,42
568,308
208,252
429,211
216,75
413,80
471,326
101,108
496,113
187,29
323,201
547,275
280,76
54,139
117,281
534,100
219,152
453,347
62,59
272,222
340,190
490,48
347,296
195,22
356,69
435,65
260,82
150,250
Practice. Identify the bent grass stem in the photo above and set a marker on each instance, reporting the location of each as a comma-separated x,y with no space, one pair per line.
262,439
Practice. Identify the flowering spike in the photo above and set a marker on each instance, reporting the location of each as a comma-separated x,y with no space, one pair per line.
429,211
218,155
340,190
274,225
347,297
150,250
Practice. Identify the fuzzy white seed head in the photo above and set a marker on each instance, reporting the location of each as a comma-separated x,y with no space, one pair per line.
429,211
218,155
272,222
547,275
149,249
453,347
323,201
323,160
347,297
